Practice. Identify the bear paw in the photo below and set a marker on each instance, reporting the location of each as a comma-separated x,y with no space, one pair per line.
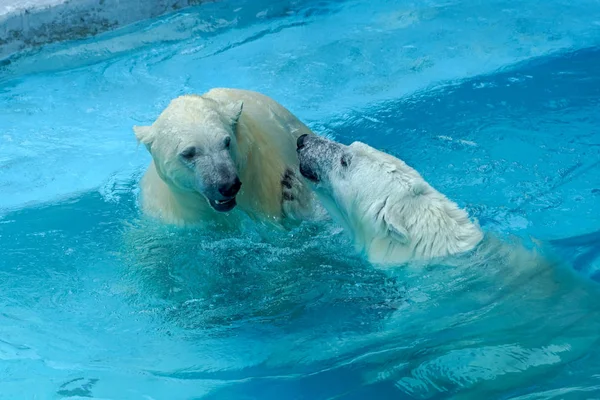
295,196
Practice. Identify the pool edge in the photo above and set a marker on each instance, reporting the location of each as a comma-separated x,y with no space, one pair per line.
27,25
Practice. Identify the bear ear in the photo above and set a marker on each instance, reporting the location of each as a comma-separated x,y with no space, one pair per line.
234,110
395,228
143,134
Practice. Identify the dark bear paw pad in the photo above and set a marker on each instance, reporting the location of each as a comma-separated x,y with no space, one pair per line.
287,196
287,185
288,177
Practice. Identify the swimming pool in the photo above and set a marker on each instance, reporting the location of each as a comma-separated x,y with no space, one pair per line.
496,104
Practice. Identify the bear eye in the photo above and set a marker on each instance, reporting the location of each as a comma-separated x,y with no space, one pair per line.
227,142
188,153
345,160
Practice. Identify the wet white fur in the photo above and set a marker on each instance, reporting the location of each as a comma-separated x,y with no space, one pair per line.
392,213
263,146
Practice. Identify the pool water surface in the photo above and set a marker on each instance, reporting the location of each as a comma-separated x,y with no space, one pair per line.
495,104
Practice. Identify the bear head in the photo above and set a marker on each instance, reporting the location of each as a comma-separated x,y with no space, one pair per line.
194,148
353,182
390,211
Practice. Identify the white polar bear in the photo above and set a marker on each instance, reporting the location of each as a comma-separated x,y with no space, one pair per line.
531,313
224,148
392,213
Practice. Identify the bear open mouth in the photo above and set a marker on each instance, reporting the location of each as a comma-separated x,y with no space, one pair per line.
223,205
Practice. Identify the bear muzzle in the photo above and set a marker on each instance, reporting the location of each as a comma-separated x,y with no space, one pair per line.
304,149
228,191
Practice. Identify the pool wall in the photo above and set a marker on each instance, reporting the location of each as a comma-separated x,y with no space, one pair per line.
30,23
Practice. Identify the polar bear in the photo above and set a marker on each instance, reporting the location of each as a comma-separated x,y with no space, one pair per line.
393,215
478,302
224,148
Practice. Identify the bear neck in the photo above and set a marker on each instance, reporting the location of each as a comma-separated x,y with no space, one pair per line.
260,169
435,228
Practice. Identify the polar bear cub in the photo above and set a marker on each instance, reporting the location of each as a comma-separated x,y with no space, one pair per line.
224,149
393,215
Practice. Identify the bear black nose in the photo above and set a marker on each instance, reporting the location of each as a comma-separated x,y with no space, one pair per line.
301,141
230,189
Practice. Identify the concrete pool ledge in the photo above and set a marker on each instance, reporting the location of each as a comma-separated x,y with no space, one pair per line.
31,23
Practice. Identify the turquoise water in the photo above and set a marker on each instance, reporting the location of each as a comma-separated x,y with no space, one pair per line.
496,104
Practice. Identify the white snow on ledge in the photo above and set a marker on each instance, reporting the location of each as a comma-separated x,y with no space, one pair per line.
30,23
